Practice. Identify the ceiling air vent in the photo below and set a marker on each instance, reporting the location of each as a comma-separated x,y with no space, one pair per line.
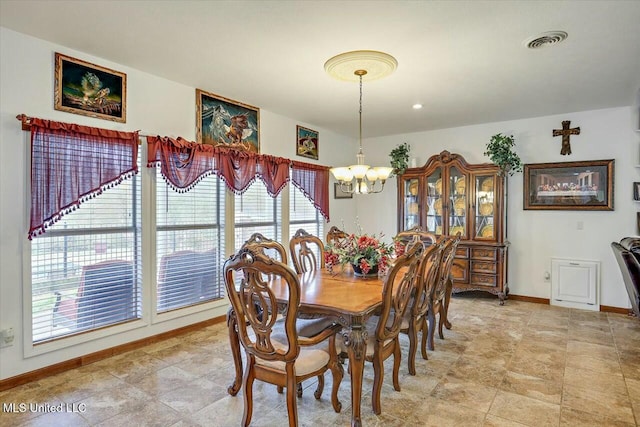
546,39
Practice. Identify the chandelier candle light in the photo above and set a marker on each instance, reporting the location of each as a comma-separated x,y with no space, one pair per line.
354,66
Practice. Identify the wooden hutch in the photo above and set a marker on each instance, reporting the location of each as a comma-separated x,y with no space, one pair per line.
447,196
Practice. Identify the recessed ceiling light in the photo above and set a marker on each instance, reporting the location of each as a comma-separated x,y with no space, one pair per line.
545,39
417,106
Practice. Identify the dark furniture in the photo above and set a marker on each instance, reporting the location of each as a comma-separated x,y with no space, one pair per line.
187,278
627,254
448,196
106,295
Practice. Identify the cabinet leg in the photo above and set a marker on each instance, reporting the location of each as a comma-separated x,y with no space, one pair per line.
502,297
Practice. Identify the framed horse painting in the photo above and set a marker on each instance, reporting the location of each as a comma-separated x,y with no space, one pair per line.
223,121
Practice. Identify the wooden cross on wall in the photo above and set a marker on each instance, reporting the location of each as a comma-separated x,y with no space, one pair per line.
566,131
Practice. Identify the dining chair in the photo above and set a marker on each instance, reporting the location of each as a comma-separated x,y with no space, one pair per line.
415,318
302,246
443,286
334,235
384,341
275,353
305,327
406,236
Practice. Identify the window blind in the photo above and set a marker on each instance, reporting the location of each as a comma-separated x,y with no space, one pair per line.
85,270
257,212
189,243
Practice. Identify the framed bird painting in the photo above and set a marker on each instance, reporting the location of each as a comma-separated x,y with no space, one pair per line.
222,121
89,89
306,142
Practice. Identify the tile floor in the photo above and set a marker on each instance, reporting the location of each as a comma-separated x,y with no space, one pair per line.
521,364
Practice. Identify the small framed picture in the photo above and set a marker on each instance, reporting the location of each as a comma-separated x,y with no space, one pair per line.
306,142
89,90
636,191
339,194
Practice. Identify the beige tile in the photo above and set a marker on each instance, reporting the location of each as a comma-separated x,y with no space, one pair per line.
594,364
466,393
105,404
525,410
151,414
633,388
192,396
537,388
572,417
478,370
436,412
612,382
66,419
600,351
583,398
493,421
548,366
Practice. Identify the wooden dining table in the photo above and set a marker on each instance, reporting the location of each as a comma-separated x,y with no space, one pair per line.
351,300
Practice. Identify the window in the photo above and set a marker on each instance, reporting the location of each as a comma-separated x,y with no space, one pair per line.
257,212
189,243
302,214
85,270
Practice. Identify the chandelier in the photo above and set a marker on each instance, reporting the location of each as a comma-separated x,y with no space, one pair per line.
361,178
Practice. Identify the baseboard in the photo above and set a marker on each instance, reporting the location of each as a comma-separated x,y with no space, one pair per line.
619,310
87,359
529,299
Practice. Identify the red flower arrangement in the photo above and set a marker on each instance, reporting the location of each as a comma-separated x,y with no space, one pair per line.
364,251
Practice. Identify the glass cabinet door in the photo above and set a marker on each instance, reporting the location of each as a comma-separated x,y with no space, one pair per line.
411,204
485,206
433,191
457,202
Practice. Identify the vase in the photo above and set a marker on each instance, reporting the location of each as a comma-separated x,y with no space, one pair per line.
358,271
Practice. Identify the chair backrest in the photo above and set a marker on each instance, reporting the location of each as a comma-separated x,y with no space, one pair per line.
301,247
187,277
405,237
399,285
106,294
269,247
335,235
428,274
627,253
256,307
448,255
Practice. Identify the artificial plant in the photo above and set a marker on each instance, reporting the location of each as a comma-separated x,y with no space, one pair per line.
400,158
500,152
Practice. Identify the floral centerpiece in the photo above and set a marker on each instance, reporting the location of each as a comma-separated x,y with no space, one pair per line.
367,254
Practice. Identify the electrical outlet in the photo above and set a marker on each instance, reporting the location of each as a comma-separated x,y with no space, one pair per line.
547,276
580,225
6,337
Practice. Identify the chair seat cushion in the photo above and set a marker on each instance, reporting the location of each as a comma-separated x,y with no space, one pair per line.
309,360
311,327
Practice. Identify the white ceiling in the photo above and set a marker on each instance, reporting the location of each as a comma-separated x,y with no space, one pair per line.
464,60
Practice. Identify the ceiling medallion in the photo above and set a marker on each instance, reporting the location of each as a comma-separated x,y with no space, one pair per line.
377,64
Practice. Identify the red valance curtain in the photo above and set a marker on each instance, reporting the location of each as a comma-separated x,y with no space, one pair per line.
183,163
72,163
313,181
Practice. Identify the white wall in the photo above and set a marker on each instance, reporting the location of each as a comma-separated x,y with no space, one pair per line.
536,236
155,106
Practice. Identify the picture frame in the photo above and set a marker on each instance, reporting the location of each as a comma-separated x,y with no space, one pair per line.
89,90
636,191
638,222
585,185
223,121
306,142
339,194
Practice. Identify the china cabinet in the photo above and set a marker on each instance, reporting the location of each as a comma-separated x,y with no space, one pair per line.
448,196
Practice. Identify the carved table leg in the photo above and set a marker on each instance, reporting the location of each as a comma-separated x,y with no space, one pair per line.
502,297
234,388
356,341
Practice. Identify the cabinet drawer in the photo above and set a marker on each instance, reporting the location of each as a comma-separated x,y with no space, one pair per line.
483,267
483,253
483,280
462,252
460,270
